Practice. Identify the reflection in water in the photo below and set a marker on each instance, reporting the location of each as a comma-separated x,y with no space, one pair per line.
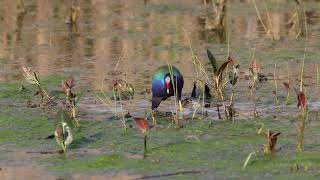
145,34
213,24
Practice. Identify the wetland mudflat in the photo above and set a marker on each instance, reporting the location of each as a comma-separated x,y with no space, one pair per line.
128,40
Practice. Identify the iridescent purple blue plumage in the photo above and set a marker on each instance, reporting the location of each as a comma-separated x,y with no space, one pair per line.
161,91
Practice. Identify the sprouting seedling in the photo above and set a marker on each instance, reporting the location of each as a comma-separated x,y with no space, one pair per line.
219,81
71,97
144,127
254,70
32,77
275,91
233,79
272,139
63,135
303,106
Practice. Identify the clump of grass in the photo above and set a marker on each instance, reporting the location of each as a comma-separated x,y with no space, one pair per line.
200,74
121,90
107,101
266,26
297,21
269,148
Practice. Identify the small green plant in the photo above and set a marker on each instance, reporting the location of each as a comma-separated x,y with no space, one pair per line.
63,135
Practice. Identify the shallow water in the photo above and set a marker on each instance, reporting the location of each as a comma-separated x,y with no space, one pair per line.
145,35
129,40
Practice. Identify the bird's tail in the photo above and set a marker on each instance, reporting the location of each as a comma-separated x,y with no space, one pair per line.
50,136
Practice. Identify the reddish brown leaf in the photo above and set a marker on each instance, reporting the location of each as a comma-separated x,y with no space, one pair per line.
272,139
70,82
231,61
255,66
143,124
302,100
68,85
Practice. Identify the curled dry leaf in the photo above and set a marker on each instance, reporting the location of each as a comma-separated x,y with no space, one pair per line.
68,85
143,124
70,82
272,139
302,100
232,61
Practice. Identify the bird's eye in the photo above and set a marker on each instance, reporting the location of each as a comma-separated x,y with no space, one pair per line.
167,79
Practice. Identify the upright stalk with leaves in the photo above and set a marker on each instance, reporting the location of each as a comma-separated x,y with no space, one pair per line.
233,79
254,71
71,98
302,105
32,77
219,81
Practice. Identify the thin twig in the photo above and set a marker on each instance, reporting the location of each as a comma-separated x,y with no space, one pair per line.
195,171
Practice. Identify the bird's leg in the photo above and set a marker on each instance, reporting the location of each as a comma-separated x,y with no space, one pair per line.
180,106
145,146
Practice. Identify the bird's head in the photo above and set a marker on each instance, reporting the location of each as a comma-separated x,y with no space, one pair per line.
167,81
